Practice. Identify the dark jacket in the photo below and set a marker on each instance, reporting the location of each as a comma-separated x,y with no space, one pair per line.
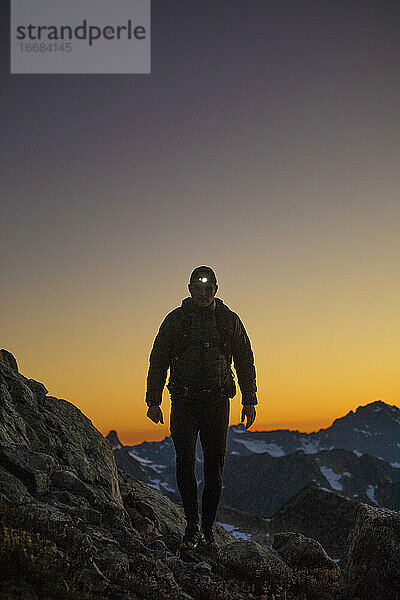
170,343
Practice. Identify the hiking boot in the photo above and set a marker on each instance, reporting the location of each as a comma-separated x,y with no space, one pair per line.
209,542
192,538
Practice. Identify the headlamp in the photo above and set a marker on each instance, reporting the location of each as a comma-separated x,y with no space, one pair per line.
203,275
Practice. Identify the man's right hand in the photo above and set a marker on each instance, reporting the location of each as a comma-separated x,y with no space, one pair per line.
155,413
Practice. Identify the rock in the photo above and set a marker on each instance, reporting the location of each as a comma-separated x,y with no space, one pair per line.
75,506
10,591
203,583
41,512
12,487
111,560
144,502
32,468
302,552
148,503
159,548
162,580
254,562
37,388
8,360
92,580
371,567
140,523
43,432
202,566
64,479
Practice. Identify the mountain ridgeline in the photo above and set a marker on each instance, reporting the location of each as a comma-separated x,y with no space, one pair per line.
358,457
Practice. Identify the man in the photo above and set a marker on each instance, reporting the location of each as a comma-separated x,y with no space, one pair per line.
197,342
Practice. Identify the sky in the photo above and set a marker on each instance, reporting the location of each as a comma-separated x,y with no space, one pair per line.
265,144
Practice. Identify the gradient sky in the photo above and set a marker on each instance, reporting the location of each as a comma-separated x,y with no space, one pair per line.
265,144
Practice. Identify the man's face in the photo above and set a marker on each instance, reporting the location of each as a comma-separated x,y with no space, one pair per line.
202,293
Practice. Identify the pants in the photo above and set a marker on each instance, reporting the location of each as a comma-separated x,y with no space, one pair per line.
207,413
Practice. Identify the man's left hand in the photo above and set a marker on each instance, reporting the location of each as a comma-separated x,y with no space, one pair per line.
248,411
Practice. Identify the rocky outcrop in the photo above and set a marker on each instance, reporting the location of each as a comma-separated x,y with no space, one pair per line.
8,360
249,559
371,568
50,446
302,552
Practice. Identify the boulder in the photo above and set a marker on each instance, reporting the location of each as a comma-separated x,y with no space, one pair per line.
371,569
254,562
301,552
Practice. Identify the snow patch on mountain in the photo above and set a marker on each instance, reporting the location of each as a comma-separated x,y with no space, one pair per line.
332,477
238,429
158,468
239,535
259,446
144,461
158,485
362,431
370,491
310,446
148,463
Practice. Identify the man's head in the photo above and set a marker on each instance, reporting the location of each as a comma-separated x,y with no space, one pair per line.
203,286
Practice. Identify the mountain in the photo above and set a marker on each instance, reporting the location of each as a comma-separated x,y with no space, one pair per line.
357,456
74,526
261,483
114,440
158,471
318,514
372,429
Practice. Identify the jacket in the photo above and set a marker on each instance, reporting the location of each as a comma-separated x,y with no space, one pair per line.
170,343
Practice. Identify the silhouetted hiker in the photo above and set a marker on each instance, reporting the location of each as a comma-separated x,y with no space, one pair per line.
198,341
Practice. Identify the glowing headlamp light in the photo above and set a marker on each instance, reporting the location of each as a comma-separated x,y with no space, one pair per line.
203,279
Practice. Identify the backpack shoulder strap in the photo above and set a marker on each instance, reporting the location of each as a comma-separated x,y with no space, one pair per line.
225,329
182,332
